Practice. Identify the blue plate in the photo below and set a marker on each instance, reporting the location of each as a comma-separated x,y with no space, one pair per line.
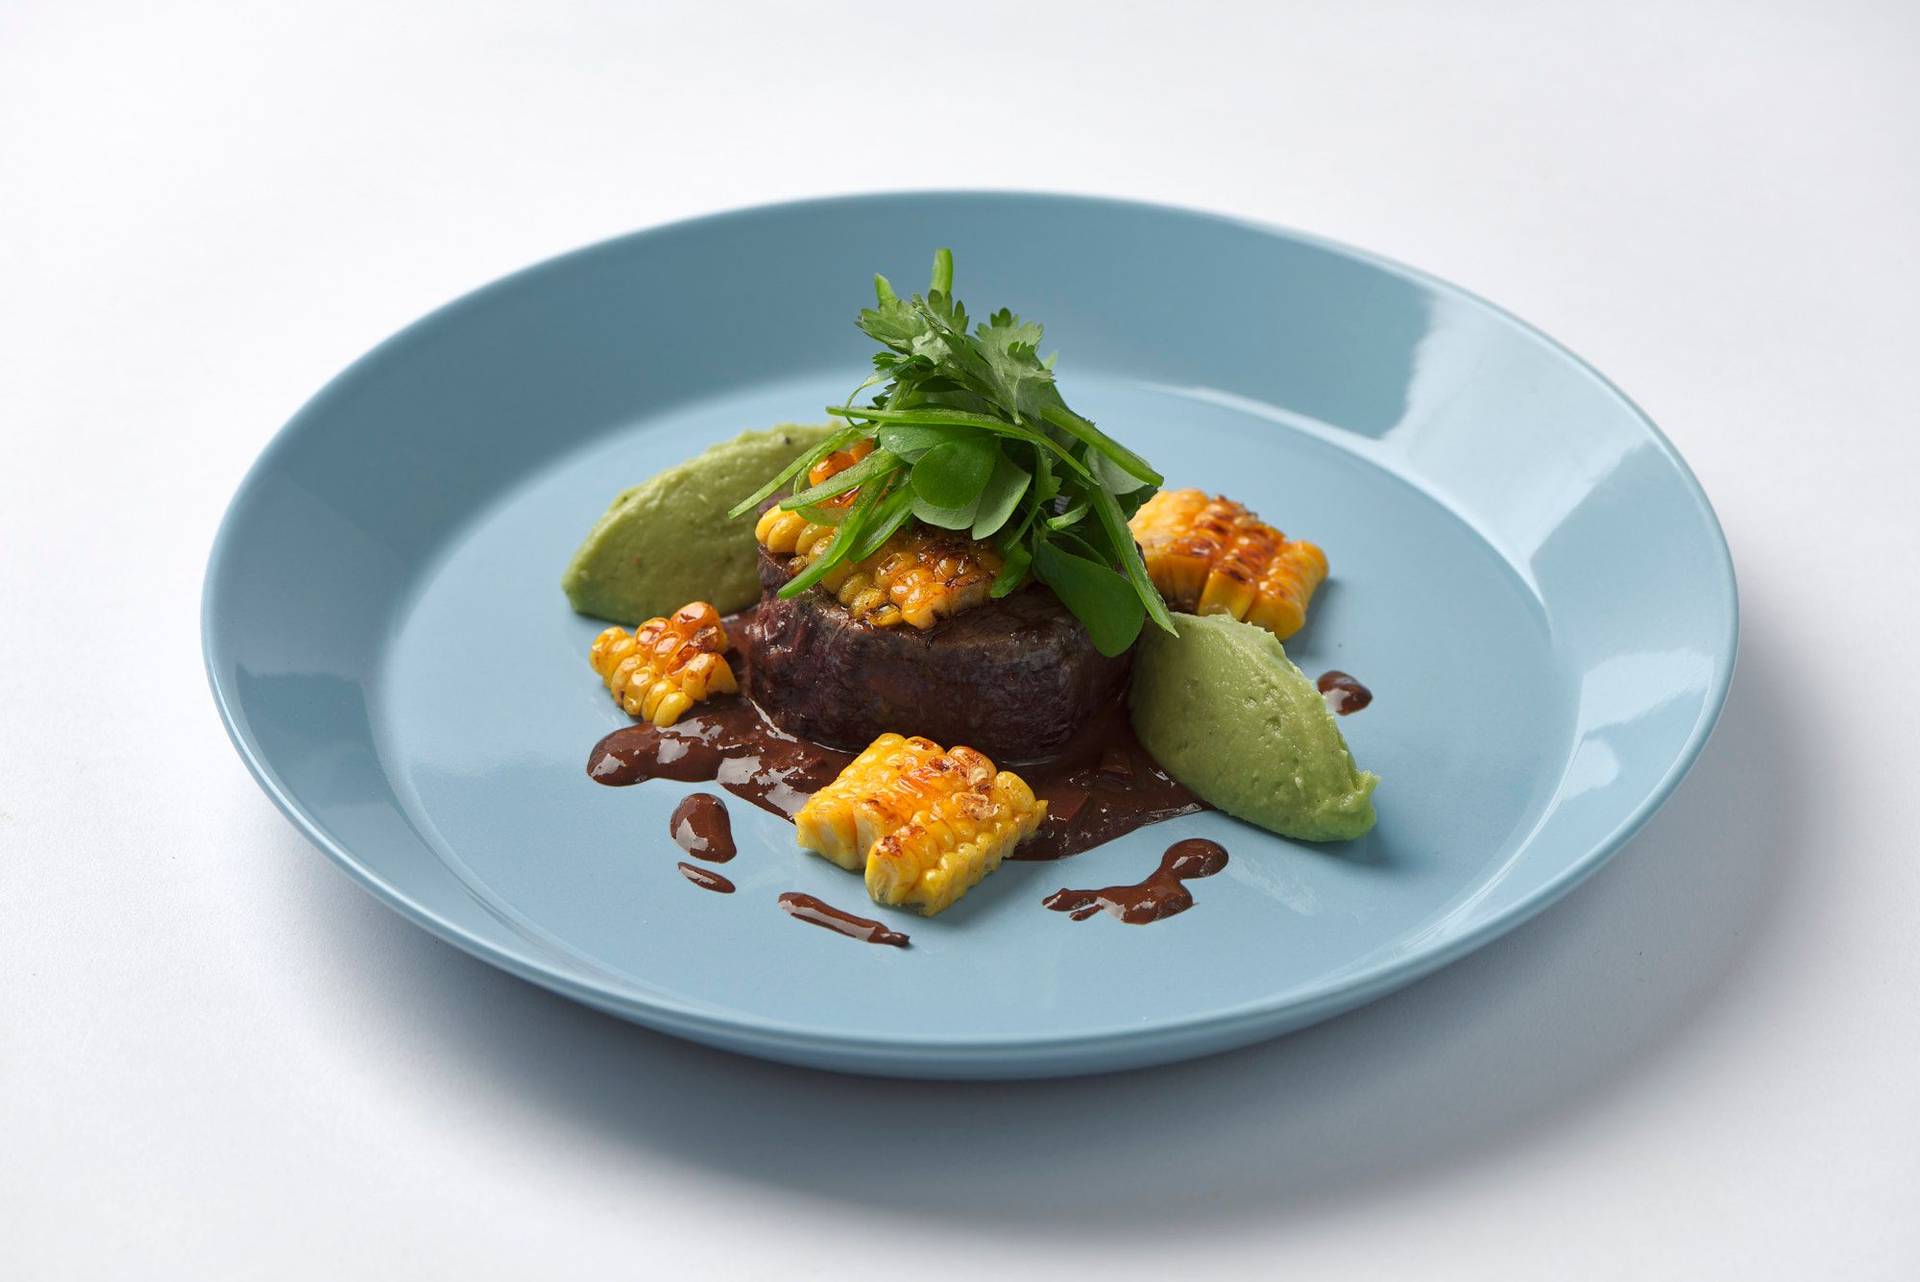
1524,572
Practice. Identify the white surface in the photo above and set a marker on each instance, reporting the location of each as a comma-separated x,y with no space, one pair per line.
219,1058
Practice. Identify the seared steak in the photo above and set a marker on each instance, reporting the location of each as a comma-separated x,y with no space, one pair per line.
1013,678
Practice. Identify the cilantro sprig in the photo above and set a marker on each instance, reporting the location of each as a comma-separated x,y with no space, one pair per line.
971,433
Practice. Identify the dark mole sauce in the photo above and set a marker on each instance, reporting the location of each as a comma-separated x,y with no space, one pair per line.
815,913
705,878
1344,694
1100,786
701,828
727,742
1161,895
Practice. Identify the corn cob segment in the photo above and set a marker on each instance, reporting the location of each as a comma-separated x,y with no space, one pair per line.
660,671
945,850
828,825
927,824
1213,556
918,576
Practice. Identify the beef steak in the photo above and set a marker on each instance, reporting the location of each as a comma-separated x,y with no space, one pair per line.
1013,678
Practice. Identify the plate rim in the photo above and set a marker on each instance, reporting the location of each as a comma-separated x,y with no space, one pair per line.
1161,1041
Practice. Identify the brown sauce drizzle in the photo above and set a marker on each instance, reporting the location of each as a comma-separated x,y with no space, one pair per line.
815,913
1161,895
726,741
705,878
1344,694
701,828
1102,786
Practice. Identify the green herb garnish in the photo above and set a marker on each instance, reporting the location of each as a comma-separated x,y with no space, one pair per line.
971,434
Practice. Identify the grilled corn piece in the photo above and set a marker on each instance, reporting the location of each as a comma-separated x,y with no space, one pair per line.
668,665
1213,556
927,824
828,825
944,851
918,576
838,462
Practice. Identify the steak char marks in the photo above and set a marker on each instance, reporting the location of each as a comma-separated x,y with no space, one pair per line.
1013,678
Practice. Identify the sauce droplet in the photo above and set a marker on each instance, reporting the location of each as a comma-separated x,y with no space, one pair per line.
810,910
1162,894
1344,694
705,878
700,827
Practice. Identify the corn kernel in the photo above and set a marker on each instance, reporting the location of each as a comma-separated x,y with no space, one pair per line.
660,671
1213,556
928,825
918,576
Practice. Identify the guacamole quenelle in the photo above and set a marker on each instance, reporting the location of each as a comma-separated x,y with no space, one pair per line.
669,540
1224,710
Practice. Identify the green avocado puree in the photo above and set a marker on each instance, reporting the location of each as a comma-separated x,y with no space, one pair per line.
1225,712
669,540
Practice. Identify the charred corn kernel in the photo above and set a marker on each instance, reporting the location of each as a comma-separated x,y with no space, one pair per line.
660,671
1297,568
857,588
918,576
790,534
827,824
836,463
1213,556
944,851
927,824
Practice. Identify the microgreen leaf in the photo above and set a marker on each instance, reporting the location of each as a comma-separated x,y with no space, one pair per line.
1073,425
1135,569
1045,484
873,466
890,514
1072,516
1013,572
838,441
822,513
954,472
1001,496
1131,503
845,539
1102,600
911,440
1116,478
936,417
893,322
947,518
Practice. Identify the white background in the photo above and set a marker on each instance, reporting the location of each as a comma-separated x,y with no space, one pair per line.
218,1058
